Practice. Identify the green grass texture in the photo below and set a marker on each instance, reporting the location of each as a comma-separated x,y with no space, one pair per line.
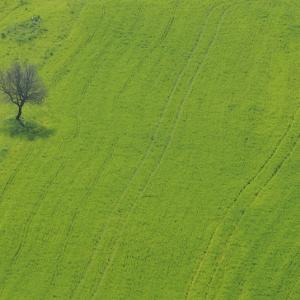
165,162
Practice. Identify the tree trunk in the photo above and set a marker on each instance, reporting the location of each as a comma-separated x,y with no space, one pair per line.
18,117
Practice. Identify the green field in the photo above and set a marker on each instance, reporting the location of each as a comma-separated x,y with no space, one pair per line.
165,162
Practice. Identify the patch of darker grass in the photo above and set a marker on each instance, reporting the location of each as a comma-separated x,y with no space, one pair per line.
25,31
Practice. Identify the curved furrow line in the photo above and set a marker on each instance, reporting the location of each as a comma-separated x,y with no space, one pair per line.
90,78
8,183
26,227
19,165
86,195
244,188
170,23
10,180
138,167
196,75
156,45
83,275
62,71
117,244
236,226
84,90
158,123
29,219
89,81
83,93
11,11
14,174
38,203
272,154
26,157
87,41
146,154
196,274
76,16
94,74
289,269
258,193
124,87
77,127
175,122
33,214
237,198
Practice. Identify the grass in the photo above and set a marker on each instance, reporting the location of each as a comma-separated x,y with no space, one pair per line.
25,31
26,129
164,163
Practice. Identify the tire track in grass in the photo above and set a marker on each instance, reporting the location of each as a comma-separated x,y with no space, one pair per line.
91,78
125,85
265,163
63,139
12,10
87,194
34,212
84,90
26,227
7,184
156,45
290,268
237,3
260,190
173,129
62,71
78,126
37,204
284,283
23,237
17,169
201,259
236,226
12,177
158,123
36,208
252,179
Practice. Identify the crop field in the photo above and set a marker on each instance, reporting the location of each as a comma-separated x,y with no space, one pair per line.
165,161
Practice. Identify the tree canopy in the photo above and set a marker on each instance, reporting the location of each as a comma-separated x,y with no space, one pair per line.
21,83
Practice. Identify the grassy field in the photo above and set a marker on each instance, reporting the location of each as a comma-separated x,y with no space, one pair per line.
165,163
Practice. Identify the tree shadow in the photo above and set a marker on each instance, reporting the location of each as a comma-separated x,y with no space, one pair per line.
28,130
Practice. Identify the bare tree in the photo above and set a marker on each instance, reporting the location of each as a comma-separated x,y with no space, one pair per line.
22,84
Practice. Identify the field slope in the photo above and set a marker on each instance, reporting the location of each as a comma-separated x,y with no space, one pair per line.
165,163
